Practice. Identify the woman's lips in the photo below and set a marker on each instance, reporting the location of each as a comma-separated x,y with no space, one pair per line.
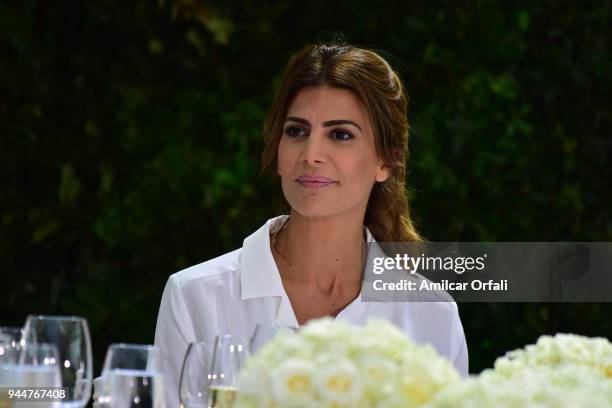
315,182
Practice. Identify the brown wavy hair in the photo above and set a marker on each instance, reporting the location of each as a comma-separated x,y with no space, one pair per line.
381,91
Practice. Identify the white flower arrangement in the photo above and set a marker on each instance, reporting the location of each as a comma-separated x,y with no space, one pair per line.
537,387
566,370
334,364
560,350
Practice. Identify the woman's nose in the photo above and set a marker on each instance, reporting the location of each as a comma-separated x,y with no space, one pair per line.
314,149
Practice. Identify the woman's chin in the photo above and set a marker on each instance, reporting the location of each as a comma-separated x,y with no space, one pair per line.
312,212
322,211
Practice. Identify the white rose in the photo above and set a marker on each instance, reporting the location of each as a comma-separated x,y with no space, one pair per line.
292,383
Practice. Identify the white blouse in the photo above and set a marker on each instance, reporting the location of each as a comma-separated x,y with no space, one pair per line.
232,293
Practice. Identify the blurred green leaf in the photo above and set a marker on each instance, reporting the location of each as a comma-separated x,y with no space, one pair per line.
69,187
44,231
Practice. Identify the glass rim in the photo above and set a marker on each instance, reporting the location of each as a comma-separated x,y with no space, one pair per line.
133,346
71,318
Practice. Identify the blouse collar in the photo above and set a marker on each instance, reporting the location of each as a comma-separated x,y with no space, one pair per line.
259,275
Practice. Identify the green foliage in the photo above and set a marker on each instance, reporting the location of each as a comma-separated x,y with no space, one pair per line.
131,135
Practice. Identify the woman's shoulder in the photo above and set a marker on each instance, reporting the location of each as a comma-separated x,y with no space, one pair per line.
220,268
224,270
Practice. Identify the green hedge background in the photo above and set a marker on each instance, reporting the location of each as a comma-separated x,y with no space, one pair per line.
131,133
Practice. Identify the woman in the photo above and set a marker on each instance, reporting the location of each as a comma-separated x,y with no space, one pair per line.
337,136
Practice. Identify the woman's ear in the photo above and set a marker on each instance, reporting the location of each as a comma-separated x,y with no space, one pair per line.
383,173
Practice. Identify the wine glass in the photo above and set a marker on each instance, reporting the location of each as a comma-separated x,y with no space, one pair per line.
35,365
195,375
230,353
131,376
70,334
140,357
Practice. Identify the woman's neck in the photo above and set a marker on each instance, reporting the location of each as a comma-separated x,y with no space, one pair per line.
326,252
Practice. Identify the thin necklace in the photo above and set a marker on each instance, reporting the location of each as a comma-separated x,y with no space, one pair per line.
275,248
274,241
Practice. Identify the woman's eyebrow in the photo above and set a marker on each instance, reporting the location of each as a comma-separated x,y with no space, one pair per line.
325,124
341,122
298,120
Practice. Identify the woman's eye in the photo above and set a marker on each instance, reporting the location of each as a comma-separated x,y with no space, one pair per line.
293,131
341,135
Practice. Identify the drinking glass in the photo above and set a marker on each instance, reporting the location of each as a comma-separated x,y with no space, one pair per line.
195,375
141,357
70,335
230,353
34,365
131,377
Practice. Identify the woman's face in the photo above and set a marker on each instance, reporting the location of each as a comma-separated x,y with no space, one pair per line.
326,156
